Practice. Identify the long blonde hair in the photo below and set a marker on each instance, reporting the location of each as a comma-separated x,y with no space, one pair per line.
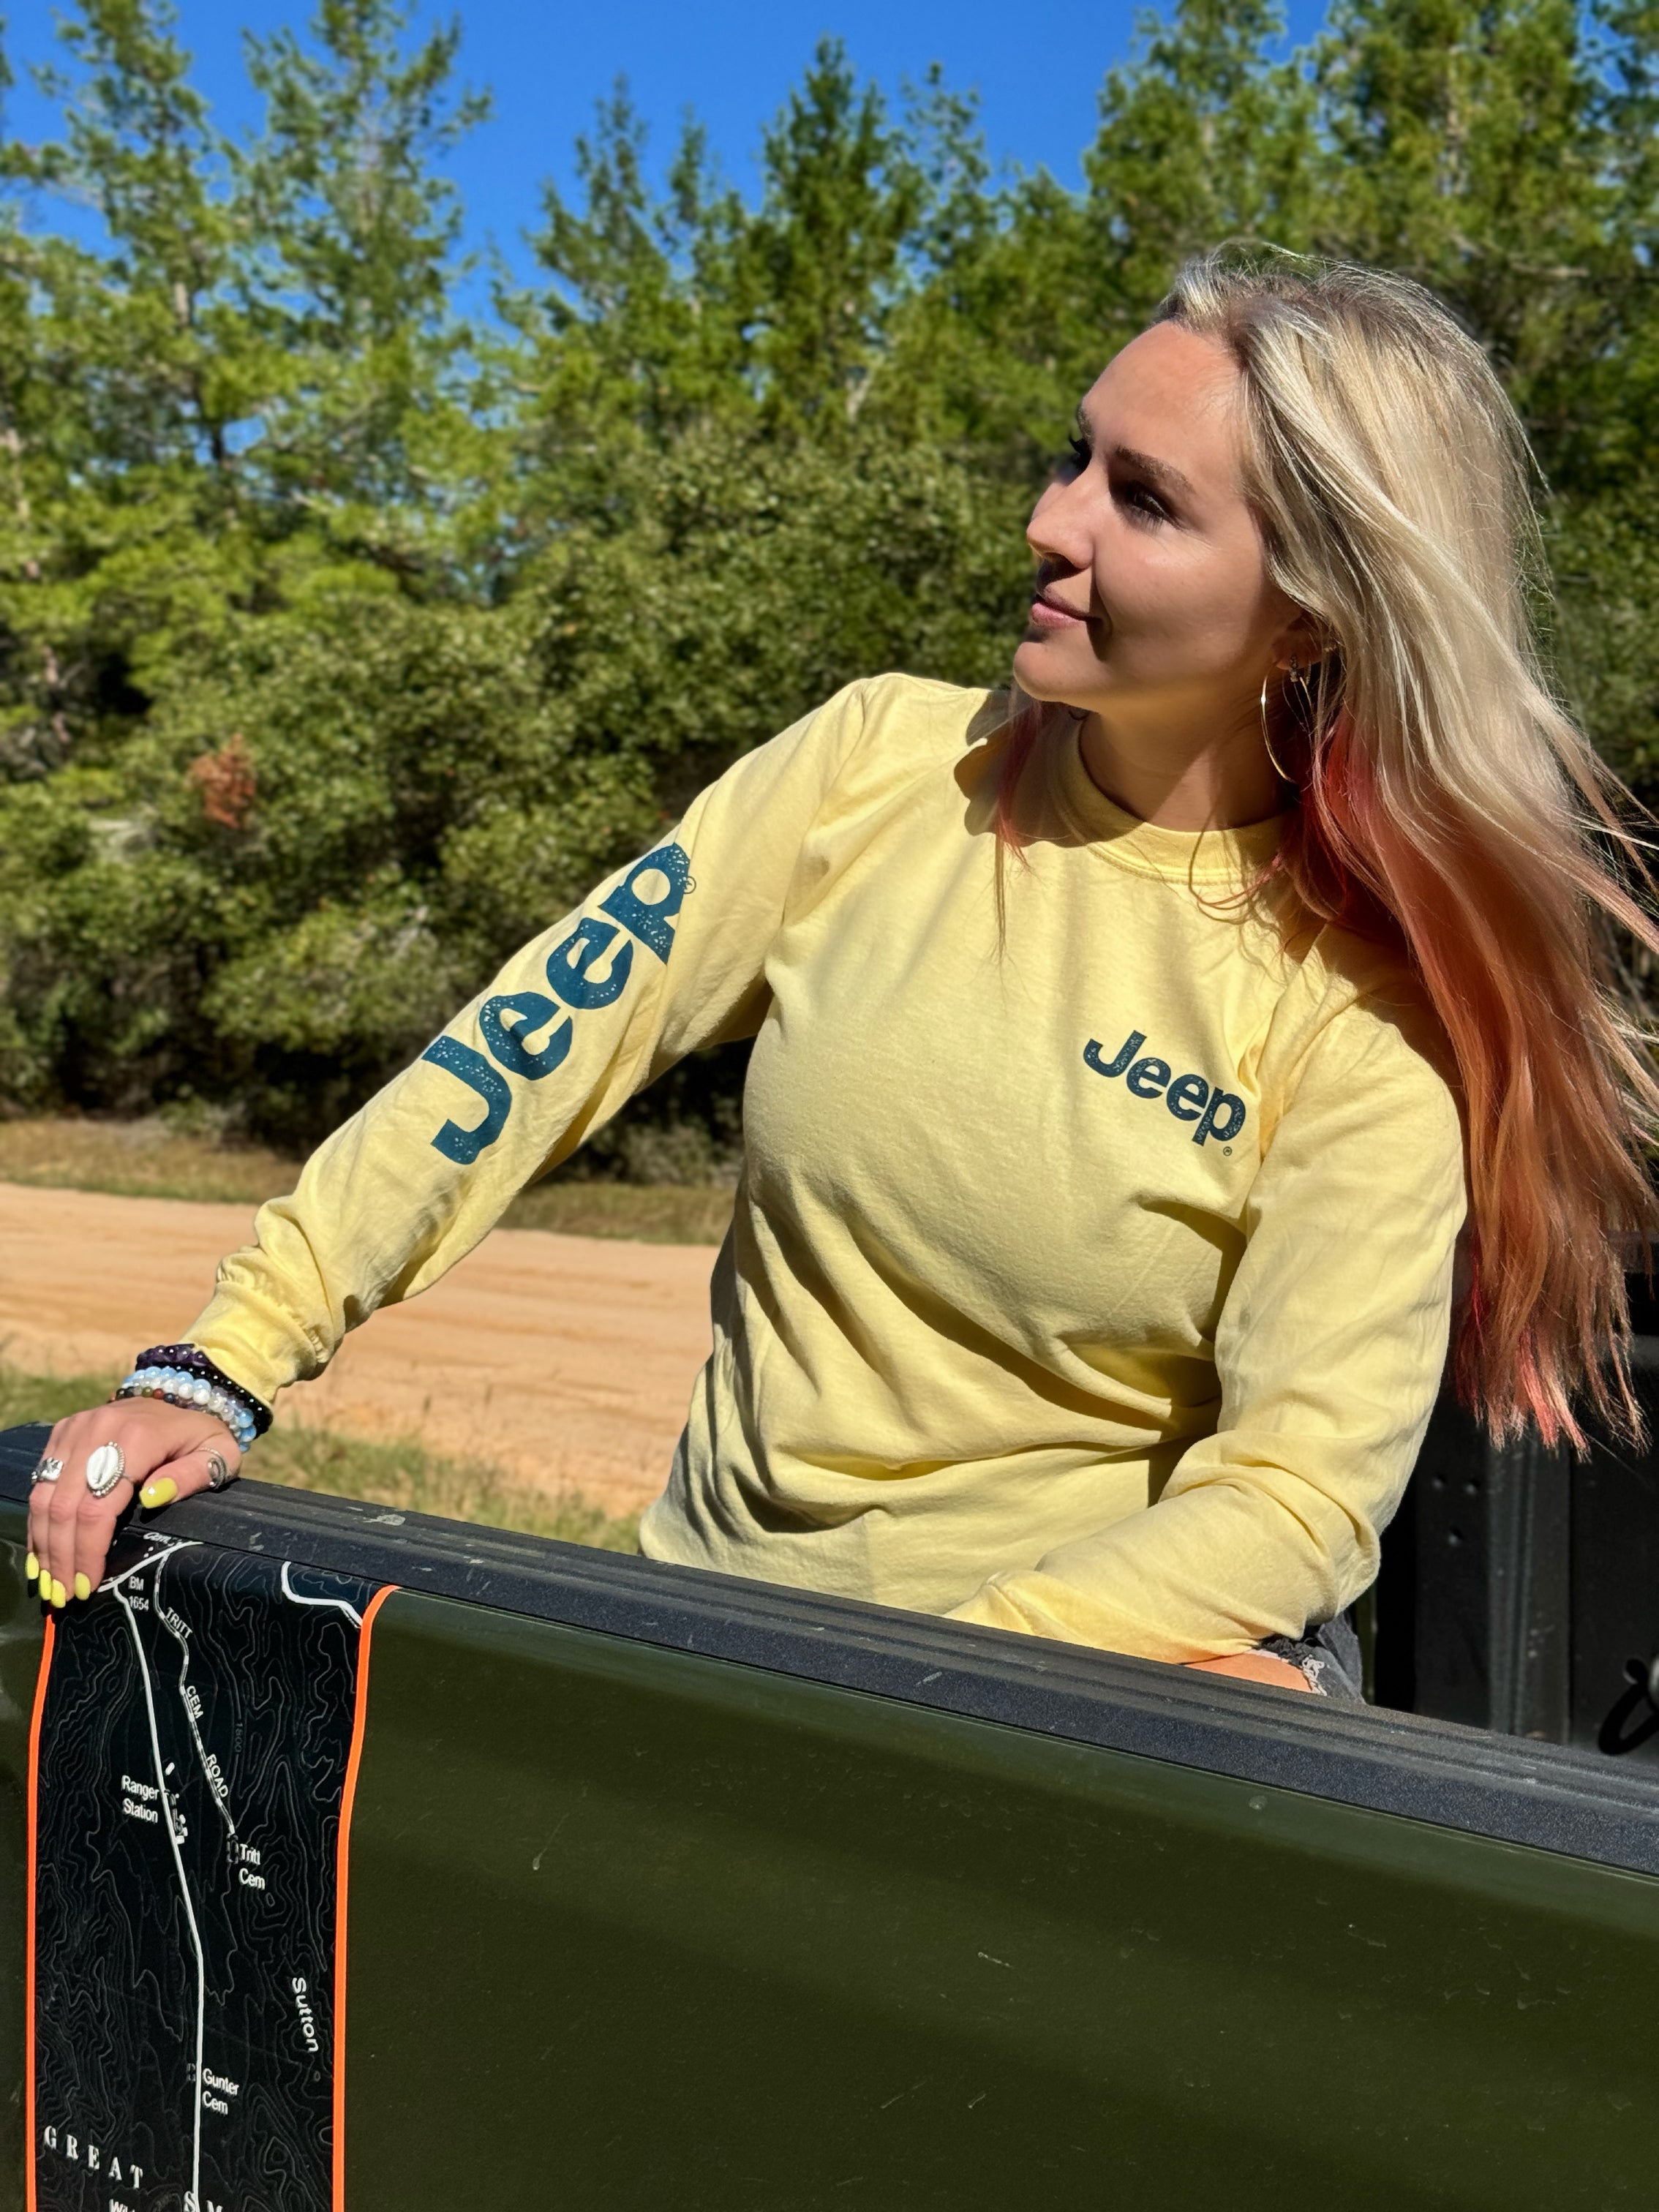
1444,798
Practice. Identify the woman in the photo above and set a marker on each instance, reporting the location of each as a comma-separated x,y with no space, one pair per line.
1122,1058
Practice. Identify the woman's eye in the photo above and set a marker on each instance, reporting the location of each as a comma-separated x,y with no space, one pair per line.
1141,499
1078,455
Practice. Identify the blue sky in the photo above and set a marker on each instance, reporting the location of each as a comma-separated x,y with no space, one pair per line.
547,61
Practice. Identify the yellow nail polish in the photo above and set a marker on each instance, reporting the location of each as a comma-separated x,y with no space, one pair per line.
31,1568
59,1595
160,1492
82,1588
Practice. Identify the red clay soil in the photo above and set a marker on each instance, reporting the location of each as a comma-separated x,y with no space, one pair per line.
567,1361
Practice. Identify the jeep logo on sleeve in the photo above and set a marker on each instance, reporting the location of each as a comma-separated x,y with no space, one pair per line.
1216,1112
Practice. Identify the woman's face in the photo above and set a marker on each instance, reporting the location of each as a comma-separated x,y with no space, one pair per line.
1153,607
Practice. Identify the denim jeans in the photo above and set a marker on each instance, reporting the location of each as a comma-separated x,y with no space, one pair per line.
1329,1656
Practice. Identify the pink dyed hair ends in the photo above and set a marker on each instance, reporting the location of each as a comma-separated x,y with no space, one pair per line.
1506,943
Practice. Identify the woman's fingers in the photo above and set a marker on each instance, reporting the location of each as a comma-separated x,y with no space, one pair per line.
55,1504
41,1495
39,1499
78,1523
207,1463
164,1452
88,1523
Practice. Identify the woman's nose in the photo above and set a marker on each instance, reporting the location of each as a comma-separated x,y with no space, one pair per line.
1056,531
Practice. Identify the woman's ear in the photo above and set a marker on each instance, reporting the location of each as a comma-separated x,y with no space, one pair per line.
1303,640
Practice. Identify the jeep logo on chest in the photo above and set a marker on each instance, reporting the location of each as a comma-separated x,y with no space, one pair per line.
1217,1112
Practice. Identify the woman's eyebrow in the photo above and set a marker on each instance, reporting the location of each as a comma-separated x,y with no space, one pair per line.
1164,473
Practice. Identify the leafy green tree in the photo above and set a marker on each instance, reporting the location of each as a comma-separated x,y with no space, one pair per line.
347,276
1489,152
116,420
1205,136
1506,157
244,413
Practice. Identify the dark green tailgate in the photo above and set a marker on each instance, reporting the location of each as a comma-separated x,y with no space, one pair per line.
668,1891
631,1928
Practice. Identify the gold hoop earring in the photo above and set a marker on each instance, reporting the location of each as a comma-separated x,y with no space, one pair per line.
1277,764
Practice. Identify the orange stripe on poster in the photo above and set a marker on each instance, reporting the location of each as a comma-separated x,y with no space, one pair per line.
28,1961
348,1798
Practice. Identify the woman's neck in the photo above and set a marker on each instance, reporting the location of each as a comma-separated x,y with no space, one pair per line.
1182,782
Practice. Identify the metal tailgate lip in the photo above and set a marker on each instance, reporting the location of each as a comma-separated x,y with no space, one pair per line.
1547,1796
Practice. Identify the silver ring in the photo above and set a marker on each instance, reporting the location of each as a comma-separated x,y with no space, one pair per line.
46,1470
106,1466
219,1474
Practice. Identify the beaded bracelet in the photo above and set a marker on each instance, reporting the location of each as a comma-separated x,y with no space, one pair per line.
195,1364
175,1388
181,1375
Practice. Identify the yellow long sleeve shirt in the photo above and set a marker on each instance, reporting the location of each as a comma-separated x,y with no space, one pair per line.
1089,1276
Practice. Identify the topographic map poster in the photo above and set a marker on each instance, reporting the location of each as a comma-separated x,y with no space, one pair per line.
197,1734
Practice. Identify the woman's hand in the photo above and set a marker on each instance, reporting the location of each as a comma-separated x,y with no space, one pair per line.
169,1451
1256,1666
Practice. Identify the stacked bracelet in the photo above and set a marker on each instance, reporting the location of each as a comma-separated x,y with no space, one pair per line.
178,1388
182,1376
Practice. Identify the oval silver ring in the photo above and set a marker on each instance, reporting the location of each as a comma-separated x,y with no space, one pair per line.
46,1470
105,1469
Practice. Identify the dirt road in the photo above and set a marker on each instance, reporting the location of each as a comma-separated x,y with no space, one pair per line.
568,1361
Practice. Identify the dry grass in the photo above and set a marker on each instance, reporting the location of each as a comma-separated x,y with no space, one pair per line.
150,1159
140,1159
403,1474
649,1214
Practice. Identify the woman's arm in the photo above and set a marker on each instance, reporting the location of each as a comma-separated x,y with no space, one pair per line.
667,955
1329,1349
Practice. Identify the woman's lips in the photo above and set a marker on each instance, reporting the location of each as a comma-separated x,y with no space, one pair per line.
1047,616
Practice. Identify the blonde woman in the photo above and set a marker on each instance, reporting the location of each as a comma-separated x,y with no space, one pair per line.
1129,1049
